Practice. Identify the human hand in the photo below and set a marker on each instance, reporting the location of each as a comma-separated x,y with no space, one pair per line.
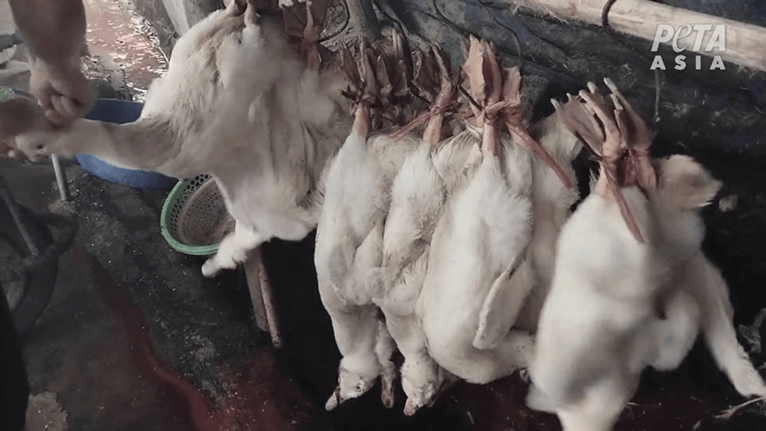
62,89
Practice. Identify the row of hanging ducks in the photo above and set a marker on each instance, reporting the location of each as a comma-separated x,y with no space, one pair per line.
447,233
444,210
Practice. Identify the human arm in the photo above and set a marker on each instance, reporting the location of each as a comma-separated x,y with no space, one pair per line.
54,31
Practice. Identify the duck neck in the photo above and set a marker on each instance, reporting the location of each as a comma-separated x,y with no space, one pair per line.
145,144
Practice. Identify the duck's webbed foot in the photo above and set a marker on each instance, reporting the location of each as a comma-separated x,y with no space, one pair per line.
369,91
400,103
394,101
638,137
619,139
252,13
485,80
362,72
445,97
304,20
513,115
311,40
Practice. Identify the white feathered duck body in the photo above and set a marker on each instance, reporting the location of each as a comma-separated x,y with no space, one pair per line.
481,265
631,256
418,194
357,197
380,218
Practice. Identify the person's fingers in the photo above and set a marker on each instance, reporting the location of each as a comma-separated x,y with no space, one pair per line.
77,97
39,85
71,82
62,110
56,119
63,88
58,105
71,107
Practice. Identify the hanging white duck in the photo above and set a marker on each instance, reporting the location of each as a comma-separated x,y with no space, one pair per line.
350,231
630,255
479,250
417,198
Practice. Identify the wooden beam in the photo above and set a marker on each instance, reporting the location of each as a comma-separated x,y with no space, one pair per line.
256,298
262,296
269,302
642,18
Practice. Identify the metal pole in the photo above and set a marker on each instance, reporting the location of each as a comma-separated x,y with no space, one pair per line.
60,178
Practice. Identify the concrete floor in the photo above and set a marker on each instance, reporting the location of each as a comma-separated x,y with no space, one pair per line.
134,337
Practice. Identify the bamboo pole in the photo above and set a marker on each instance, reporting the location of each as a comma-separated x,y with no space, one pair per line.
262,297
744,43
252,272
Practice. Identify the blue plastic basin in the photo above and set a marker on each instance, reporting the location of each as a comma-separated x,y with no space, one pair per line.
120,112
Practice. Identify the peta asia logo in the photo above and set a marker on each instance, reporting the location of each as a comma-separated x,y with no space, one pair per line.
707,38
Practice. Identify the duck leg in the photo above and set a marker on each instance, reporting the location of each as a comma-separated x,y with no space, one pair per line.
303,20
510,289
355,321
446,96
605,133
236,7
511,116
638,138
311,40
485,265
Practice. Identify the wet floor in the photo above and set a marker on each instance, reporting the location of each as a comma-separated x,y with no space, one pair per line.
116,32
125,344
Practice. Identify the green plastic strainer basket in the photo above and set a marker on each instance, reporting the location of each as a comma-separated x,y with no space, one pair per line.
194,217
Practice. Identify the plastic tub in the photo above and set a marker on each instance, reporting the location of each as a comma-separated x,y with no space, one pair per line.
120,112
